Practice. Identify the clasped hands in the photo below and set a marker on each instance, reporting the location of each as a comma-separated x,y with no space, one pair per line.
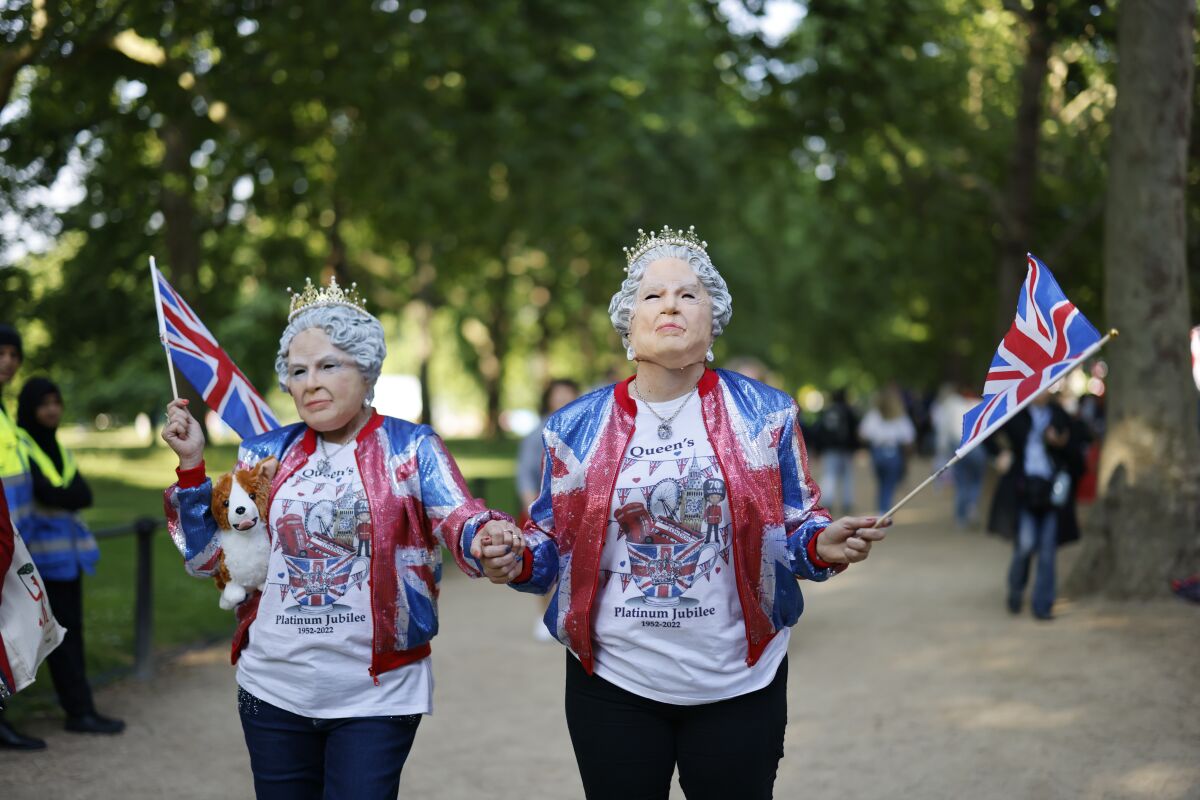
500,549
848,540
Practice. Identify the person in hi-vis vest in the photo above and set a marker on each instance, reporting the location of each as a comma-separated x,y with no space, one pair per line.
61,546
14,463
18,491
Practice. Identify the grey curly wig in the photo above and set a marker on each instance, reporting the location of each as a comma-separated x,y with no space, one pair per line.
355,333
620,309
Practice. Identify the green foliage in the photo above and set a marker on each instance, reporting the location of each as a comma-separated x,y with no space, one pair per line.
899,117
485,162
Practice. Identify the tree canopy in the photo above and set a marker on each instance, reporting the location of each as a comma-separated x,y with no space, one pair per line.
477,167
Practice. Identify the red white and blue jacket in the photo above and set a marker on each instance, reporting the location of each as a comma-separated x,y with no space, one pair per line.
419,503
773,501
8,683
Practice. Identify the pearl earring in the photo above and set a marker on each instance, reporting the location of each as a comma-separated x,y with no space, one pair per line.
709,355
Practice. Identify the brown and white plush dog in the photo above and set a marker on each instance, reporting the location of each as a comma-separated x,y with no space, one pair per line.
239,503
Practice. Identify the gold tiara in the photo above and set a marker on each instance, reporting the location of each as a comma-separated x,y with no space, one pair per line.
332,295
646,241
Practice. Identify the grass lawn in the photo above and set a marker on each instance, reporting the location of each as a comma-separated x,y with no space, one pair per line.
127,481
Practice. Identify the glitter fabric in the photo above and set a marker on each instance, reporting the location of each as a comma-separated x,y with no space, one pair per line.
248,704
774,503
419,504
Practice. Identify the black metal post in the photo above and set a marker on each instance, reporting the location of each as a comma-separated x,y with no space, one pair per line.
143,622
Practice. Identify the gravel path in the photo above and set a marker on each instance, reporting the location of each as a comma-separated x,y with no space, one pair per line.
908,680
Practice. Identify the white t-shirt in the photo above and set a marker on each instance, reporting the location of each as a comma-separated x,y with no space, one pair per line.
310,644
668,624
880,432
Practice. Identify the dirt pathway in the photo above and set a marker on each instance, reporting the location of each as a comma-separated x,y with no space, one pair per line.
908,680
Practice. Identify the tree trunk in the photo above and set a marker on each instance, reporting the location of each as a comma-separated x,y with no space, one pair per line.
1149,470
181,232
426,417
336,260
425,299
425,354
180,228
1016,226
492,365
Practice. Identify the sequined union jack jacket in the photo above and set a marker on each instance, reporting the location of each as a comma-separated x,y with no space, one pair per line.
773,501
418,501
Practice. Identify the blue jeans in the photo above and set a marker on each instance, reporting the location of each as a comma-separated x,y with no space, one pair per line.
968,481
837,482
1036,533
301,758
889,469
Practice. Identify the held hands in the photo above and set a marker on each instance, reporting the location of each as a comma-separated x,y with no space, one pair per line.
182,433
500,548
848,540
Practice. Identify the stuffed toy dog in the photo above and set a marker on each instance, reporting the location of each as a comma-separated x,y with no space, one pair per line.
240,502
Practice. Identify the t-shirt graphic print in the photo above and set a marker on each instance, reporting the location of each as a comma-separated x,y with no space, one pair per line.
324,534
667,619
310,643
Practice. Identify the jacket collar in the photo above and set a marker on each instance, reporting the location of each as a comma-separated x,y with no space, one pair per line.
708,382
309,440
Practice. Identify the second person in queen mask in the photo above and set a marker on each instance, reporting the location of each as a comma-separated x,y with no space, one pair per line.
333,657
676,516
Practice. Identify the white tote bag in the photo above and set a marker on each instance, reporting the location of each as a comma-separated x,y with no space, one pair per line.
27,627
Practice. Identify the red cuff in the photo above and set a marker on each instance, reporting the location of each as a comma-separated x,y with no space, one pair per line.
526,568
191,478
816,560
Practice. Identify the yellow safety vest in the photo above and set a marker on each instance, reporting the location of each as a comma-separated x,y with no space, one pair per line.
46,465
13,457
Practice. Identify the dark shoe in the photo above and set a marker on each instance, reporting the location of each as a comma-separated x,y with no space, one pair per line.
11,740
94,723
1014,604
1046,617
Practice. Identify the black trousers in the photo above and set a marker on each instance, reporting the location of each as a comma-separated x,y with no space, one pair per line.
627,746
66,661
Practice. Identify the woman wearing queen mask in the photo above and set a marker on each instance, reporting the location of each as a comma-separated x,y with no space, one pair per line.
676,514
333,657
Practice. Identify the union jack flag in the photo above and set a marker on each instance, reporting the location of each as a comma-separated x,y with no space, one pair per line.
1048,338
206,366
319,581
665,570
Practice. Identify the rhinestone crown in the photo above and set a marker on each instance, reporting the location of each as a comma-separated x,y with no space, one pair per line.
331,295
646,241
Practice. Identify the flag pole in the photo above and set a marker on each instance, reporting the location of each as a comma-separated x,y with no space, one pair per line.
1113,332
162,327
915,491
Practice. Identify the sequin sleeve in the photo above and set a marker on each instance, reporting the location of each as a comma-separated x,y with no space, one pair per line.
8,683
541,542
453,515
804,517
191,525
